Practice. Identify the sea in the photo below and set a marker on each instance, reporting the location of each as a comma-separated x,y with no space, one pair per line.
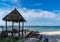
35,28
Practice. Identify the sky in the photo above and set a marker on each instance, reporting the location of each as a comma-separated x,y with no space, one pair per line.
35,12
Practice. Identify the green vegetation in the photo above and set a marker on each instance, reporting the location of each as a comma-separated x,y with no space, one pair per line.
13,39
9,39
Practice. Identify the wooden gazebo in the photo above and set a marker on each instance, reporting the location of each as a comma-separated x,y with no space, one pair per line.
15,16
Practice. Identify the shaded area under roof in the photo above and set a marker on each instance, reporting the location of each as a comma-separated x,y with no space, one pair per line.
14,16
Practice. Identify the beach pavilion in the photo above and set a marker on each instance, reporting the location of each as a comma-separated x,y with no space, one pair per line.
15,16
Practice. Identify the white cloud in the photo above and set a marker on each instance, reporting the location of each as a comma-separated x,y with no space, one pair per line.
47,14
5,4
3,13
40,17
31,14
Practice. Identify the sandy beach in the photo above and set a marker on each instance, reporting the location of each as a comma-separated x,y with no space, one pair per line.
51,33
52,36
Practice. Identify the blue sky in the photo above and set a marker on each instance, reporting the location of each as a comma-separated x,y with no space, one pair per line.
36,12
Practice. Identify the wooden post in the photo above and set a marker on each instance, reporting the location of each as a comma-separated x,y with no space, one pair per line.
12,27
22,28
2,28
6,26
19,28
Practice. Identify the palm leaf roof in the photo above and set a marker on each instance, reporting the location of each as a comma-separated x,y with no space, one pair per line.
14,16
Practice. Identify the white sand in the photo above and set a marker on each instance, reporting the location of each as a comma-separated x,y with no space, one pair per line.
51,33
52,36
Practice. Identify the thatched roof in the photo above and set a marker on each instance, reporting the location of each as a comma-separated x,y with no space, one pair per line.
14,16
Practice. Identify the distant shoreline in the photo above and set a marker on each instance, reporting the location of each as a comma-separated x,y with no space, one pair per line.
38,26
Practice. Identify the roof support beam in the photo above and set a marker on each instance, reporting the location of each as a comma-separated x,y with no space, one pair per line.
12,27
22,28
6,26
19,28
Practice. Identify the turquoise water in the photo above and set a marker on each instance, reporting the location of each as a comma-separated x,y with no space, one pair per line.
38,28
44,28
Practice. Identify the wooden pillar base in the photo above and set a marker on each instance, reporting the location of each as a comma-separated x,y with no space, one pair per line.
19,33
12,33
